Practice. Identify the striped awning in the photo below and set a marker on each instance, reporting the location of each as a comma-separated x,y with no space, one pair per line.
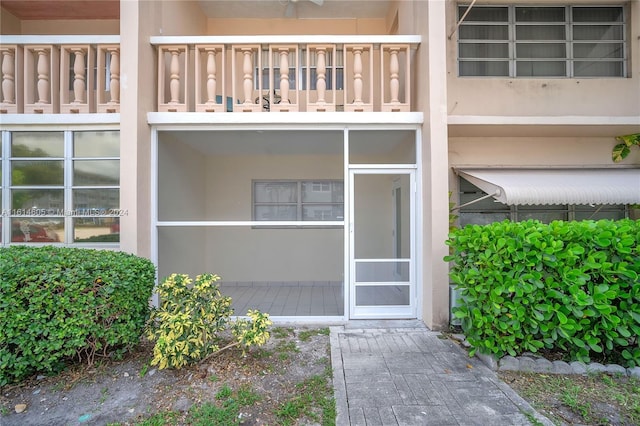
557,186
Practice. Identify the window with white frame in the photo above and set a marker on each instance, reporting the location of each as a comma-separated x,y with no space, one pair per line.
61,187
304,200
488,210
333,83
542,41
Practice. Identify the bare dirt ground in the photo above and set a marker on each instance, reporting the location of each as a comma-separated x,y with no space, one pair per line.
125,392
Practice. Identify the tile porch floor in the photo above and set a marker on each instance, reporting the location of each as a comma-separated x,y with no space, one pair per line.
283,299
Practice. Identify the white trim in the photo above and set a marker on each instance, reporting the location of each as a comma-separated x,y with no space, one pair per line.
581,120
155,297
274,118
419,230
382,166
5,202
347,229
60,119
287,39
253,223
60,39
325,321
384,311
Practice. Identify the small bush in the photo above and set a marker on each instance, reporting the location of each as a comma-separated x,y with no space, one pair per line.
187,325
567,286
58,304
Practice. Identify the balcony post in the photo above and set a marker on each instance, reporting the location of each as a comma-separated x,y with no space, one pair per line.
247,80
8,76
284,76
289,59
321,69
114,71
325,100
108,81
41,79
173,71
78,76
393,78
211,76
394,68
362,101
174,84
43,84
242,84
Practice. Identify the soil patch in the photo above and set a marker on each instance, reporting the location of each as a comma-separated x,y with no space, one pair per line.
125,392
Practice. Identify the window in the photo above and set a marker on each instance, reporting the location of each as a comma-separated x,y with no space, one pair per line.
308,200
302,77
547,41
62,187
488,210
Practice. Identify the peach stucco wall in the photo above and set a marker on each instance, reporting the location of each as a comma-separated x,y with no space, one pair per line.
546,96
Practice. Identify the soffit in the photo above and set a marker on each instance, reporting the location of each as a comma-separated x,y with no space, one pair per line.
63,9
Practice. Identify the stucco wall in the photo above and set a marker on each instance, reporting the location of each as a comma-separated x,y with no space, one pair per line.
295,26
496,96
71,27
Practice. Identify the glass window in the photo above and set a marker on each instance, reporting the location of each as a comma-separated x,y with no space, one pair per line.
544,41
48,203
298,200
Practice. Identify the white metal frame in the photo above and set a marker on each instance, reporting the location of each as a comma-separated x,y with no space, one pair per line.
414,170
386,311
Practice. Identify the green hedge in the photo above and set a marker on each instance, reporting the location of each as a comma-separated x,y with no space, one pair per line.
59,304
567,286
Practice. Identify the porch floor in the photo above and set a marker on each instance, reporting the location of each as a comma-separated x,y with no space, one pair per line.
286,300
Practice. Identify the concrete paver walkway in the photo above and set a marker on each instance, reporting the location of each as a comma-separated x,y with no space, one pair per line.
413,376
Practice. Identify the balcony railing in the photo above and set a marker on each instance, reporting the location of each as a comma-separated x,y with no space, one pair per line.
284,73
81,74
60,74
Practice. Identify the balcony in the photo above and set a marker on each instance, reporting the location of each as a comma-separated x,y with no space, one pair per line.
284,73
60,74
238,74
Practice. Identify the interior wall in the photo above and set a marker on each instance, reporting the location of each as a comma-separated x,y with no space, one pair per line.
181,251
273,255
71,27
9,24
181,18
229,179
286,26
373,216
182,181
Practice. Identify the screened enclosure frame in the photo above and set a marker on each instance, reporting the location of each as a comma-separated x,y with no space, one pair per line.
157,224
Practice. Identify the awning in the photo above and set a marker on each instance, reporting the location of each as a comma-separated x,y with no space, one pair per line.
557,186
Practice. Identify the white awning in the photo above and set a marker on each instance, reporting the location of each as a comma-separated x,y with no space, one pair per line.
558,186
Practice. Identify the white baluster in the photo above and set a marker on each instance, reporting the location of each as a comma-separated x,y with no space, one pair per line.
211,76
247,69
284,76
8,79
43,76
174,84
394,69
114,70
321,70
357,75
78,77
